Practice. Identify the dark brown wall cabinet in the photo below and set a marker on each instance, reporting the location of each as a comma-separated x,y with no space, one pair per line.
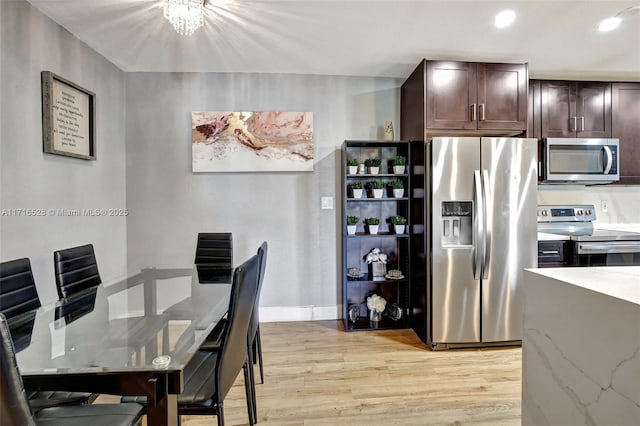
466,96
573,109
625,100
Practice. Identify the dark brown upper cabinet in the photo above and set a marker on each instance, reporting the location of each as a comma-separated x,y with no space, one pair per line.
573,109
476,96
625,107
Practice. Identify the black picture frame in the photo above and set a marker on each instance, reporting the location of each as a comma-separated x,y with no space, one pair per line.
68,118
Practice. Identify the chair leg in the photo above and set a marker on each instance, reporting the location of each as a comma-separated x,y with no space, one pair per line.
248,394
259,347
220,414
252,383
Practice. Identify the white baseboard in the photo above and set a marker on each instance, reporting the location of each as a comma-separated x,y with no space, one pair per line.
300,313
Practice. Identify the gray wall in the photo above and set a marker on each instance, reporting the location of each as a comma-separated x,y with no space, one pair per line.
169,204
31,43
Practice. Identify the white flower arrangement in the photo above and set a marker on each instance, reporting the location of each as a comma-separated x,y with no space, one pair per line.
376,303
375,255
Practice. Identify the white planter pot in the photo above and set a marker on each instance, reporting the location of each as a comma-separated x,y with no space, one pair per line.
351,229
373,229
399,228
353,170
398,193
399,170
357,193
377,193
374,170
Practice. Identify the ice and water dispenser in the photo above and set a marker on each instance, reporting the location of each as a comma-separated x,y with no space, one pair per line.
456,223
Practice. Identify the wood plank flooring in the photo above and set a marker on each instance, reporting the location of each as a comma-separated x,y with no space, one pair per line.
316,374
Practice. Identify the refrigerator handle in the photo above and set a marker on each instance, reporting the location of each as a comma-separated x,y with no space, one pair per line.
487,229
478,225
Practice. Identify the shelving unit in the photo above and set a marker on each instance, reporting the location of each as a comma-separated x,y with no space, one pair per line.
355,247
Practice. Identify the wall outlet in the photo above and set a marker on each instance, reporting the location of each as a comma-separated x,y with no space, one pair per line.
605,206
326,203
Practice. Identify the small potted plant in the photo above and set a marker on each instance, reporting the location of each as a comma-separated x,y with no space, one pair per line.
373,165
399,164
376,187
398,188
399,223
352,164
357,189
372,223
352,222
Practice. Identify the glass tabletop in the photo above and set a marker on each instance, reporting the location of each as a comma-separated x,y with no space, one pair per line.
156,319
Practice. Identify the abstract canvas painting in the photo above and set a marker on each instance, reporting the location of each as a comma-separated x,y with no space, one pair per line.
262,141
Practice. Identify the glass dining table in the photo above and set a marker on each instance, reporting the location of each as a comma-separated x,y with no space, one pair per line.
130,337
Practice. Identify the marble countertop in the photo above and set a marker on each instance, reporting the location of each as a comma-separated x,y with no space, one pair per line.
629,227
621,282
544,236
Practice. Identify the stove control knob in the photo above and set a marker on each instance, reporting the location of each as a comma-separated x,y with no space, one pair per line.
588,212
544,212
580,212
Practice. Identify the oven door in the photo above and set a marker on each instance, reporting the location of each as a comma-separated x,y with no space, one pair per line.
607,253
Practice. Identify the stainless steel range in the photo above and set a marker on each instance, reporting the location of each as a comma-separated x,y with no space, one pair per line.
579,243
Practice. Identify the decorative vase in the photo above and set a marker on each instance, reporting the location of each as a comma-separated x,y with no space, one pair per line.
375,317
378,271
373,229
399,170
388,131
377,193
353,170
374,170
357,193
398,192
361,169
351,229
353,312
399,229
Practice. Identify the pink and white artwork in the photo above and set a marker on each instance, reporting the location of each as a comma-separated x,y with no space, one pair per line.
263,141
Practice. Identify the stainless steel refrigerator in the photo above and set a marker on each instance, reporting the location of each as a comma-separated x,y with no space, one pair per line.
481,197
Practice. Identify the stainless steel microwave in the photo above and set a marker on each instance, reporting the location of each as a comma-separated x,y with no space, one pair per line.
581,160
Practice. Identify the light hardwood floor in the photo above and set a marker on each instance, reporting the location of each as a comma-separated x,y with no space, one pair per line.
316,374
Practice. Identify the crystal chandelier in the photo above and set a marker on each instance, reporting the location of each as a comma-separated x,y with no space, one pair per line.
186,16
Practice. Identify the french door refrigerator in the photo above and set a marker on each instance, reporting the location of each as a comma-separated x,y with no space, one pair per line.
481,198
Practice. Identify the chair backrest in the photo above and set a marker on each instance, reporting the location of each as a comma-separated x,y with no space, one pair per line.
255,315
76,269
233,346
17,288
214,248
14,405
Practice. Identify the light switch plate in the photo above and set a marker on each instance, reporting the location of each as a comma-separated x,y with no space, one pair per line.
326,203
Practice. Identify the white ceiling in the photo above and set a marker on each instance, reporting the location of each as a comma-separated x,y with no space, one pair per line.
559,39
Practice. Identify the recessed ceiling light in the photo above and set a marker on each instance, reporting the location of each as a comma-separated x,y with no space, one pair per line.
505,18
614,22
609,24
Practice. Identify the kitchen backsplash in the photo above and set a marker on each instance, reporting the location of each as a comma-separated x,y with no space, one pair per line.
622,202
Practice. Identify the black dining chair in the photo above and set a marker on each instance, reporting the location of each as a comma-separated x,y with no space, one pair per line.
254,345
209,376
214,248
76,269
15,408
18,303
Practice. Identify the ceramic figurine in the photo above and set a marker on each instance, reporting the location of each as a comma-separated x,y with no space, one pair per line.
388,131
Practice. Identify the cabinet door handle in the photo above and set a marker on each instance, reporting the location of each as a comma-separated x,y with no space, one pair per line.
573,124
582,124
481,111
473,112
